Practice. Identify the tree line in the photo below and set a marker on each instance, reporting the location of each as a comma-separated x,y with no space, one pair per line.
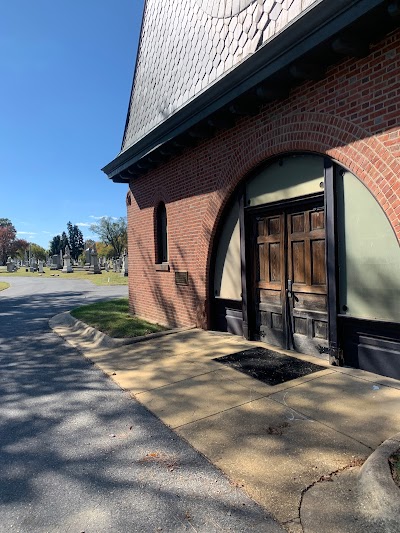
9,244
112,234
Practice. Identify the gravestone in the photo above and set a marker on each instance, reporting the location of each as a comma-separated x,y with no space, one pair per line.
33,264
88,257
40,267
67,261
11,266
55,263
94,267
124,269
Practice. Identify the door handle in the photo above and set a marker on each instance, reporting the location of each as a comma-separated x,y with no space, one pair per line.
289,288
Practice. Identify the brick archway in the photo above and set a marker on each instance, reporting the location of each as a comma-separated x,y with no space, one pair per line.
364,155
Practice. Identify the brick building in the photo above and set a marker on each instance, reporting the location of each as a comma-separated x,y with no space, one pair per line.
262,153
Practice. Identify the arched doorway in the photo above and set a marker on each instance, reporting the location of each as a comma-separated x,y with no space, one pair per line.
305,259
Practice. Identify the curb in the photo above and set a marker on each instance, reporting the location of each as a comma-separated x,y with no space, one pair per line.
101,340
379,494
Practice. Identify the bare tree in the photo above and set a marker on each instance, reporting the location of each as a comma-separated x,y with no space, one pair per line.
112,232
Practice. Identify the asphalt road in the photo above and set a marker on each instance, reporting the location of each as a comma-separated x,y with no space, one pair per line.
77,454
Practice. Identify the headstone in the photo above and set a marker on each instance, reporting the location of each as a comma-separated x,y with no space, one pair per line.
60,263
11,266
88,257
107,266
94,267
33,264
40,267
55,263
67,261
124,269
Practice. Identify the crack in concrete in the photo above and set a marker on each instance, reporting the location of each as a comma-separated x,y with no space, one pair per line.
325,477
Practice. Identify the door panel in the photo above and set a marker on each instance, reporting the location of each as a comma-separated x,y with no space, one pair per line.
270,279
291,246
307,269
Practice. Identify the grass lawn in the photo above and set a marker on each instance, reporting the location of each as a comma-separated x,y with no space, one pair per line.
105,278
3,285
113,318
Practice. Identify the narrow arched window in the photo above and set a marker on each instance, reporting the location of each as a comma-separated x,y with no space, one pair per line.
162,239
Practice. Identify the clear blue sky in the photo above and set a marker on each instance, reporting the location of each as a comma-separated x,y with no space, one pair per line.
66,72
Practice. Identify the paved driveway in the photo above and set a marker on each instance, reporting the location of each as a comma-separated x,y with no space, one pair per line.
77,454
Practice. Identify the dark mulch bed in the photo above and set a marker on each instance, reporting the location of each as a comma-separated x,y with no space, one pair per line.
268,366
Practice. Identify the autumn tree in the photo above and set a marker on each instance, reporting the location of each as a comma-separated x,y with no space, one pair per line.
112,232
20,246
104,250
9,244
5,222
38,251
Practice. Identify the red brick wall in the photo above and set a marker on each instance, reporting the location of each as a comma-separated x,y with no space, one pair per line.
353,115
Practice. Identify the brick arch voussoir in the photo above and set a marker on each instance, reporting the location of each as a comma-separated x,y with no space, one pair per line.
315,132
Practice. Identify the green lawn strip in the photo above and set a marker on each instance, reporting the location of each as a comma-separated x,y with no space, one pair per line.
105,278
113,318
3,285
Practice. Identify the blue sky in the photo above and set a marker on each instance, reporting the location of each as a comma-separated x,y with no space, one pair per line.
66,73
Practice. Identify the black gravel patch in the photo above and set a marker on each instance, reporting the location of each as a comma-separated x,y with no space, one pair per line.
268,366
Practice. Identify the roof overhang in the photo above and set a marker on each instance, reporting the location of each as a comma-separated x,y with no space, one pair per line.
321,37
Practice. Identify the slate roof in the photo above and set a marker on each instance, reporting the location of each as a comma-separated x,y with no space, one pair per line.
188,45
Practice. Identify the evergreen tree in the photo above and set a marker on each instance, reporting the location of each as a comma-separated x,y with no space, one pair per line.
64,242
75,239
55,245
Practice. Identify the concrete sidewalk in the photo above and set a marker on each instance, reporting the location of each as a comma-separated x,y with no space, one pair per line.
296,448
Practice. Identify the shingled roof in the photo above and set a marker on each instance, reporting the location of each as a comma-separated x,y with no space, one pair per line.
197,58
187,45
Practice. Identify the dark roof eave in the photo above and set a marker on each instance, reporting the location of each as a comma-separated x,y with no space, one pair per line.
322,22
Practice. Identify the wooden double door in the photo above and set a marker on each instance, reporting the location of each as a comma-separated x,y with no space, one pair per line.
290,278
